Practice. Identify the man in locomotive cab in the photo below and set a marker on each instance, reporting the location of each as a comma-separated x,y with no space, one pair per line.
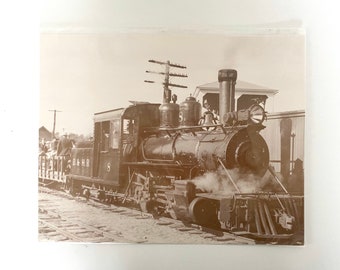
206,106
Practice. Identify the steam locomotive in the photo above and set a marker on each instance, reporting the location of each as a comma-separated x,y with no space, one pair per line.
170,159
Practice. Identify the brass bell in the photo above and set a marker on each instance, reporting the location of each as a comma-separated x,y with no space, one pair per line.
208,119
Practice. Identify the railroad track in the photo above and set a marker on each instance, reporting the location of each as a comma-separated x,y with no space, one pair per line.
64,226
57,228
205,232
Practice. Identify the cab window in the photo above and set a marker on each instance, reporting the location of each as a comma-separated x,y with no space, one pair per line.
115,134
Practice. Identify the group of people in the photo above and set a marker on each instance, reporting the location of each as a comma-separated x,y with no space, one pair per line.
56,147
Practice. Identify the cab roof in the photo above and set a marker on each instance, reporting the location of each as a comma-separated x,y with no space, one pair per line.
118,113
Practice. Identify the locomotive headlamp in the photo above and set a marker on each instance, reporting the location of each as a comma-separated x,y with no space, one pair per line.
256,114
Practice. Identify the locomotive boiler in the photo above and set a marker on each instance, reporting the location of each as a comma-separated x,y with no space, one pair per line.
235,142
173,159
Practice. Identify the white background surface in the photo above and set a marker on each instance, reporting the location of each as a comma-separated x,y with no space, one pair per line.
19,62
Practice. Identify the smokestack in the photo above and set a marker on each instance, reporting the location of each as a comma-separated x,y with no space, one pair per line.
227,80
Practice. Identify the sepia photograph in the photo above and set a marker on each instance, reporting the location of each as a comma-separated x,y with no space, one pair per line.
172,137
170,134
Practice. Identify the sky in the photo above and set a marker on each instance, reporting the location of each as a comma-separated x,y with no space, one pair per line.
84,73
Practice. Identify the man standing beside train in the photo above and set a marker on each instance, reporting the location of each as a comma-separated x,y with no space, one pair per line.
64,150
64,146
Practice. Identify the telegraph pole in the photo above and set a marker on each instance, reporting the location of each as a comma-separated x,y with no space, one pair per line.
167,74
54,121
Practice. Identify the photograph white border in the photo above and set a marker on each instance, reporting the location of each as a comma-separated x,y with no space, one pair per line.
319,18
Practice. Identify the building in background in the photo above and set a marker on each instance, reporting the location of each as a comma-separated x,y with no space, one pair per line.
245,94
284,134
45,133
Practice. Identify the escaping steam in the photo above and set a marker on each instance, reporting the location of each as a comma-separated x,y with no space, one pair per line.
219,182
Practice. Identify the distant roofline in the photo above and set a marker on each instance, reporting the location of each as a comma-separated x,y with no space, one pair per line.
241,87
43,127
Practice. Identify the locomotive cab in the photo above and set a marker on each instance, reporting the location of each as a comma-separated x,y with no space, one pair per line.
107,130
116,137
